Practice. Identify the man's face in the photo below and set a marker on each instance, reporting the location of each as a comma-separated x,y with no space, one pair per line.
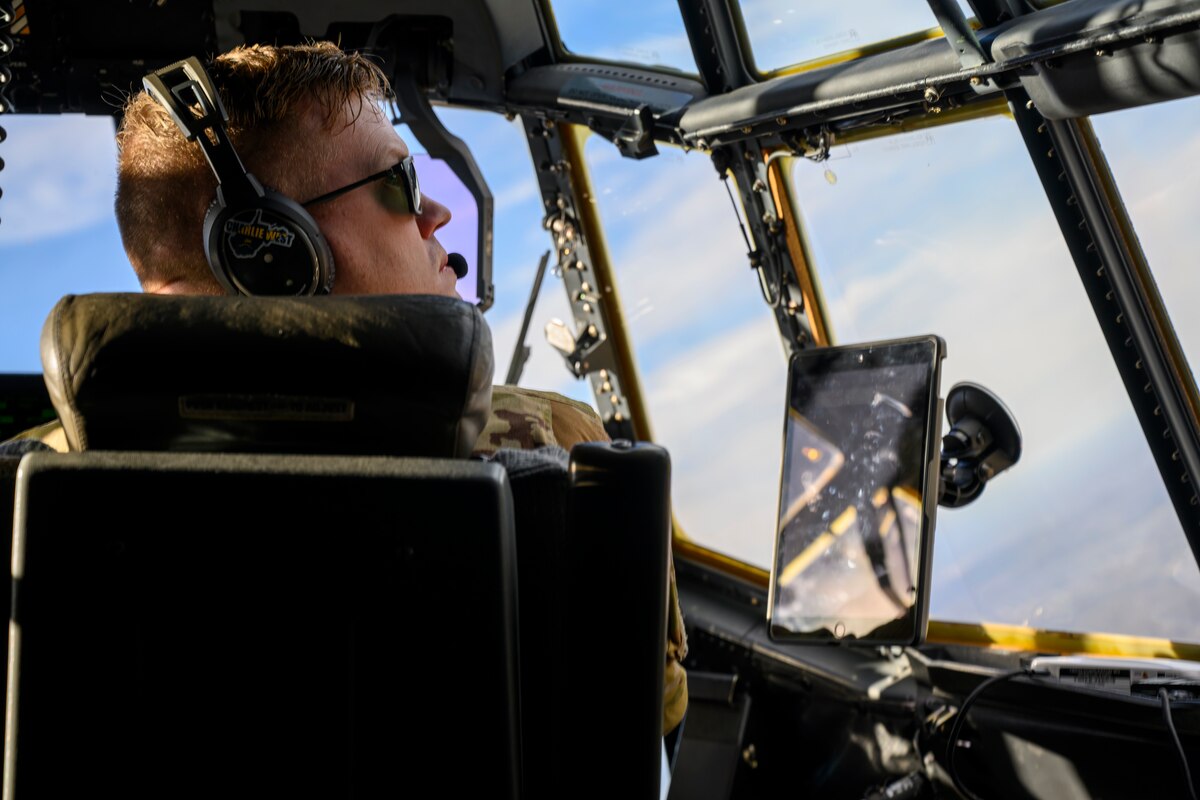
377,250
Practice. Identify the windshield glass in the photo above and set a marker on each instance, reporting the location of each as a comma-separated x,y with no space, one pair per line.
787,32
57,231
947,231
500,148
1161,200
646,32
708,351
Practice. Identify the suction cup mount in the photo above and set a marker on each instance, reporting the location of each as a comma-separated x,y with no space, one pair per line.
983,441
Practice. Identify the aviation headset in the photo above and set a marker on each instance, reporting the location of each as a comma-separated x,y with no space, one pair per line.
258,242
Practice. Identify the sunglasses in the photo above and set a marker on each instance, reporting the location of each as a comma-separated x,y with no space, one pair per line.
400,193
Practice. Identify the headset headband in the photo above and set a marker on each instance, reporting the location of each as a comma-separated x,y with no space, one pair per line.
186,91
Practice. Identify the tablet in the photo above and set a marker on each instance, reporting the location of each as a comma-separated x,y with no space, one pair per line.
857,495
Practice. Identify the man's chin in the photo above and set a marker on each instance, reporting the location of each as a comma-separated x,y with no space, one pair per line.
449,283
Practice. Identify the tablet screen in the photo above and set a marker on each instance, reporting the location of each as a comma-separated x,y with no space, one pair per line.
855,522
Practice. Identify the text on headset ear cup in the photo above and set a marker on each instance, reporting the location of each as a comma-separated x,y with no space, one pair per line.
271,246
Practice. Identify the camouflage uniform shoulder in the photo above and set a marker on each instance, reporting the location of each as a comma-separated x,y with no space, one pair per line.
527,418
520,394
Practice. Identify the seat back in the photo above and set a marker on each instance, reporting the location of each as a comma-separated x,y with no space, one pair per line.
169,589
592,554
253,625
8,485
199,617
384,375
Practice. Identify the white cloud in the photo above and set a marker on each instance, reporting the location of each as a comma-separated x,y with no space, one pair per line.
718,408
59,176
673,237
981,264
513,194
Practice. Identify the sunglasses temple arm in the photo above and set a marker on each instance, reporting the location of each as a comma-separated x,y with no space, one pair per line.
339,192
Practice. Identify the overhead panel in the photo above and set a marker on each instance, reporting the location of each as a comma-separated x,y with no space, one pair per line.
1110,55
468,29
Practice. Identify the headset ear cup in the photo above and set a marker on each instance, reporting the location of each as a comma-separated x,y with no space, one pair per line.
269,247
214,245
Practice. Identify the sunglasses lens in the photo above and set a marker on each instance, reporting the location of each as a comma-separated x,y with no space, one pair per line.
394,197
395,192
410,170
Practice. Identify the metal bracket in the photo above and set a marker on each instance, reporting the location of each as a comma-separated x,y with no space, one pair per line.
587,350
579,351
768,251
635,138
962,38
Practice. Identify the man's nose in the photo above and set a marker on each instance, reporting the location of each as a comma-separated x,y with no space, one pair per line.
433,216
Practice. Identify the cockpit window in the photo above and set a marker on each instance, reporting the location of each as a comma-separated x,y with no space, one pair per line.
708,351
1161,201
946,231
500,148
783,33
645,32
461,233
58,234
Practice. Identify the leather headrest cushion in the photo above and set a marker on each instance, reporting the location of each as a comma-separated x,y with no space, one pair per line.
378,375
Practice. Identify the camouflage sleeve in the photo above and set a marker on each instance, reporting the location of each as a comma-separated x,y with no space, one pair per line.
675,690
575,422
523,419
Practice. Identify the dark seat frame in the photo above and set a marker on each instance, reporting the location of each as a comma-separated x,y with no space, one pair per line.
320,613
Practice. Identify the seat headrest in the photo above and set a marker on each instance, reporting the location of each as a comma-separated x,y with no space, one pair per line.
378,375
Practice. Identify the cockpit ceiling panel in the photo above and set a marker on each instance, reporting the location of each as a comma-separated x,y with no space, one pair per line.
1082,57
603,86
1152,68
895,67
485,38
489,36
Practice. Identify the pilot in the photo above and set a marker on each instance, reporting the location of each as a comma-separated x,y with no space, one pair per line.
307,122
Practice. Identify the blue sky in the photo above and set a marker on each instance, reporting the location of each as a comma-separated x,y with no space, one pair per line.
909,240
